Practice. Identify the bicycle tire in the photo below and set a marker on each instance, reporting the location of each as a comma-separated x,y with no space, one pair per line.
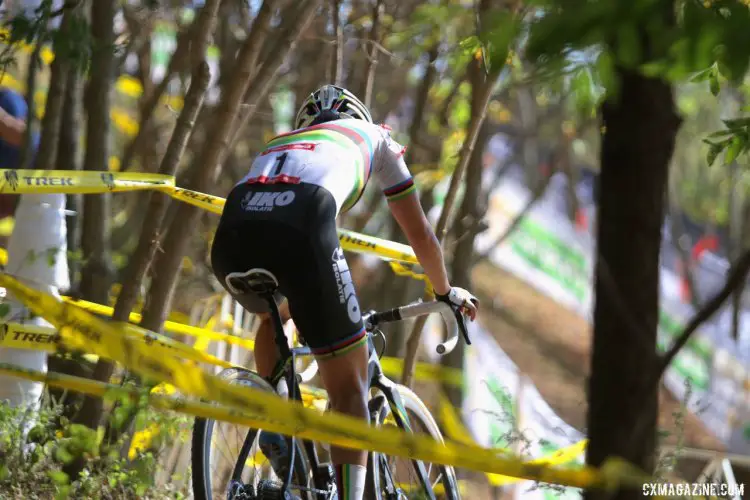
201,446
418,414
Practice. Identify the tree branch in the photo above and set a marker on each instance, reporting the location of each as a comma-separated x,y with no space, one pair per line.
736,278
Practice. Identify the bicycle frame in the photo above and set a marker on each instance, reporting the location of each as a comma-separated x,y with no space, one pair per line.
286,382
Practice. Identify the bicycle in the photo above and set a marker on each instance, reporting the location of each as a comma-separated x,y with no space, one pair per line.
296,472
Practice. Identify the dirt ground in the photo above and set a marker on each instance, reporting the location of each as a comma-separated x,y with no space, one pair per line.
551,344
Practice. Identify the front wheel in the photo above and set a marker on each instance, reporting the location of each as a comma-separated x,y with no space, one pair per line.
396,478
227,459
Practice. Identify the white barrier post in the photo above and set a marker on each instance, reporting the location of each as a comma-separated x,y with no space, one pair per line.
37,256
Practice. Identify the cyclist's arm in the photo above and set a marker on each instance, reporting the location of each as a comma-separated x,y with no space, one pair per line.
409,215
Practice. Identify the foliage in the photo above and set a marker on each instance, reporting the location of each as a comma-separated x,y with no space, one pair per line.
73,43
33,459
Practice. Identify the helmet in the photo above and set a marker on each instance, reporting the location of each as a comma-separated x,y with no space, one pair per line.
330,102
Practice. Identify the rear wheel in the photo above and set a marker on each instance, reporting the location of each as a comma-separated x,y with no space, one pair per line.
227,460
396,478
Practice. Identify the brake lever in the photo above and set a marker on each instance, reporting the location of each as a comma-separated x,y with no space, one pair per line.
462,325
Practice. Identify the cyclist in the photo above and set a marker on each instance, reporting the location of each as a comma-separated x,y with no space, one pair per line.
282,217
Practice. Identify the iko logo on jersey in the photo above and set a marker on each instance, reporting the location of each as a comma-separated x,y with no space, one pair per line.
346,286
265,201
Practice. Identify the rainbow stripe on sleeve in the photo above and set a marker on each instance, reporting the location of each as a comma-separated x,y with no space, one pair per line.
400,190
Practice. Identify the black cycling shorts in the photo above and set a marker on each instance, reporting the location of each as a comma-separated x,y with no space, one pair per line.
290,230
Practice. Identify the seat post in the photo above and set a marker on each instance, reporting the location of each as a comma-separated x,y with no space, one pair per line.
280,337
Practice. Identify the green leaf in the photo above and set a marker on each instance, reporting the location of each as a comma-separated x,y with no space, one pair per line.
713,82
4,310
720,134
713,152
701,76
737,123
734,150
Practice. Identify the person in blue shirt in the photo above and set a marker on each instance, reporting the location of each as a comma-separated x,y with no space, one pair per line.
13,114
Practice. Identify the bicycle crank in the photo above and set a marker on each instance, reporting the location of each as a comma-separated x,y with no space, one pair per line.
267,490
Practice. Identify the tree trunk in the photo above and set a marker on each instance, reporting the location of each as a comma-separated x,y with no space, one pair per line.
336,68
97,272
53,108
640,128
142,257
472,208
420,105
371,52
264,78
27,151
412,345
68,158
180,57
162,287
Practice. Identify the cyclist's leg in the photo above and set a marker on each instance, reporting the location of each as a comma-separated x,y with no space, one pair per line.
266,353
326,311
345,378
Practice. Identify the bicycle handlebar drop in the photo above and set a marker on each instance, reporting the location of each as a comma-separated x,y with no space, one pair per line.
421,309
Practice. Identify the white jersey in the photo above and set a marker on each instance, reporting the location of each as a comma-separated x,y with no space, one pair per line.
339,156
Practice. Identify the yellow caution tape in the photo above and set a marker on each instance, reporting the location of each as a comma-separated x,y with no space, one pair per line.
73,181
401,270
425,372
454,429
45,338
25,336
451,422
19,181
361,243
255,408
169,326
22,336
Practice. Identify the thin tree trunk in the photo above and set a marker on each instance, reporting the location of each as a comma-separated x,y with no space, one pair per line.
143,256
638,142
565,165
97,272
393,290
444,114
472,206
337,50
420,105
53,108
372,51
68,158
412,345
141,259
27,152
139,262
162,287
261,82
180,57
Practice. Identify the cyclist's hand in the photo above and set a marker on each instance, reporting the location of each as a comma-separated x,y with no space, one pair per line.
461,301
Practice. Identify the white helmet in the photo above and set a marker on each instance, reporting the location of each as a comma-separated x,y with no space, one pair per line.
330,102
